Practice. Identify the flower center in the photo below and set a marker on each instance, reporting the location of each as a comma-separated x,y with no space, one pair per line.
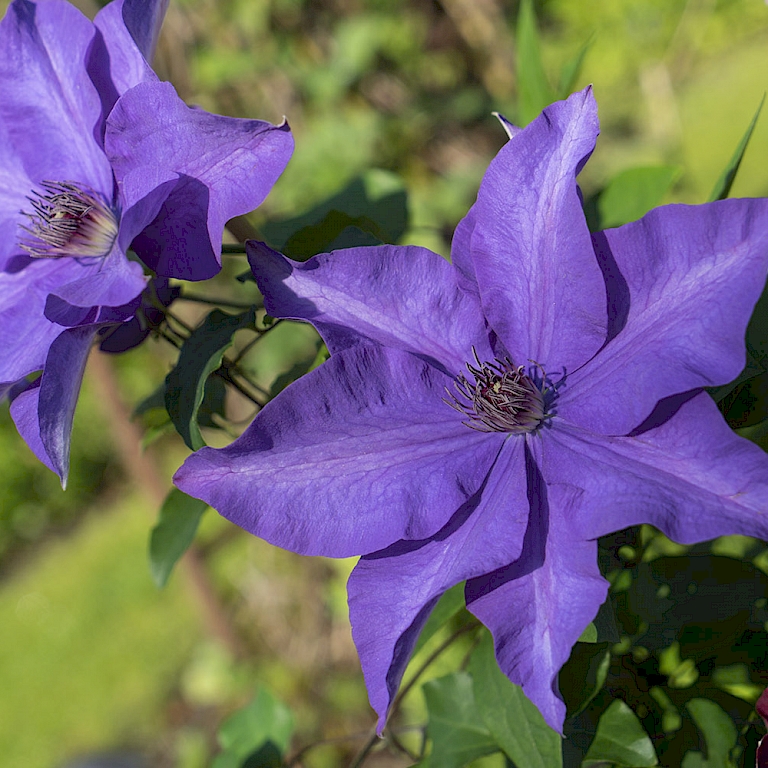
498,398
68,220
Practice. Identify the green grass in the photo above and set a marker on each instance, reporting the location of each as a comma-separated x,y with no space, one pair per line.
89,648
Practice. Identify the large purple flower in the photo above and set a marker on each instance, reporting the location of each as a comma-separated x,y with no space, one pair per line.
97,156
488,420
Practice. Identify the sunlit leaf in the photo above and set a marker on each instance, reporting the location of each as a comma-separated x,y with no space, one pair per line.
719,734
534,90
458,732
722,187
512,719
632,193
448,605
620,741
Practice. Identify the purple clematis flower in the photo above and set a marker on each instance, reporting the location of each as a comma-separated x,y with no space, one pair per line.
99,156
488,420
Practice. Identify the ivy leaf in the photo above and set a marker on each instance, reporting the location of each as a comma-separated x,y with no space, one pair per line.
620,741
256,736
722,187
512,719
632,193
175,530
200,356
719,734
458,732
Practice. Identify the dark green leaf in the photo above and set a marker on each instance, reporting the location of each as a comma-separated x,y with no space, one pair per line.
448,605
256,735
719,733
200,356
572,68
620,741
534,90
335,230
584,675
375,202
511,718
175,530
632,193
722,187
458,733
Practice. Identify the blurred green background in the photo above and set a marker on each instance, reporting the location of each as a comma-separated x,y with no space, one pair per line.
93,656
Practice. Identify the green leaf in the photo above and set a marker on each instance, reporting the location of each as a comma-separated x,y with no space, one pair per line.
256,736
722,187
719,733
589,635
512,719
175,530
534,90
375,203
335,230
572,68
200,356
448,605
458,733
583,675
632,193
620,741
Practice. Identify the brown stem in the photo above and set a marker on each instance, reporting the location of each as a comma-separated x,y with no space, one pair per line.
141,467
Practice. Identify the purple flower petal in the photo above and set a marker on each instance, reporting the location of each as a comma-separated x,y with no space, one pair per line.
24,406
537,607
25,333
130,29
44,414
354,456
682,285
111,281
48,104
225,166
541,287
401,297
392,592
691,476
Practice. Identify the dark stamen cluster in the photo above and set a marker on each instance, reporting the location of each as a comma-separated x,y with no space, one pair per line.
501,398
68,220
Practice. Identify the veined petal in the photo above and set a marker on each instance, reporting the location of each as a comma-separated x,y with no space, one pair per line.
130,30
682,283
50,107
690,476
541,287
357,454
112,281
124,46
537,607
25,333
225,166
401,297
392,592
